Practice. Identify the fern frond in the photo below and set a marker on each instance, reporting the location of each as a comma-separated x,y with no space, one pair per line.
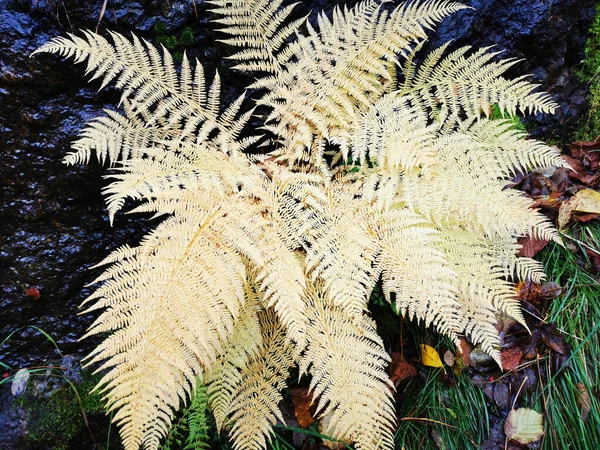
415,270
340,250
347,362
255,406
459,84
225,376
256,27
166,172
115,137
483,267
394,135
150,84
341,70
161,338
197,421
500,151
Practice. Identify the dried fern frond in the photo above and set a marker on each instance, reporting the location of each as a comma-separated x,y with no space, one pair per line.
394,135
152,91
115,137
340,70
347,362
257,27
446,87
161,338
245,342
255,406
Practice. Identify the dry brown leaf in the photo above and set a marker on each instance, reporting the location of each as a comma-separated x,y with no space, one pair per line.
401,370
584,401
303,410
564,214
511,358
531,246
465,350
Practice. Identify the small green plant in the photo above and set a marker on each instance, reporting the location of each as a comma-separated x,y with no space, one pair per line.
56,418
192,430
175,44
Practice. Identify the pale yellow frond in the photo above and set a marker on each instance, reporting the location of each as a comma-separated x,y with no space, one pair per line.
340,250
339,71
115,137
170,304
483,268
500,151
394,135
176,167
458,196
448,87
414,271
257,26
255,406
348,365
225,376
153,90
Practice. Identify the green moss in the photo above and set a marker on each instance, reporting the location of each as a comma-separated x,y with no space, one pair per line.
56,419
174,43
589,127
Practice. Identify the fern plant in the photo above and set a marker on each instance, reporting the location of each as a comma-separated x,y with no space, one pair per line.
382,170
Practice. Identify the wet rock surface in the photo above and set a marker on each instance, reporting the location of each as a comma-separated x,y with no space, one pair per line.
53,225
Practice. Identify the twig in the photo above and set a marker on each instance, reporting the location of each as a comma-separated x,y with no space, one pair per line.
101,15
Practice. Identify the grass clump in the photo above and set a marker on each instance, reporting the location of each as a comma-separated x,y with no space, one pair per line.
569,397
444,415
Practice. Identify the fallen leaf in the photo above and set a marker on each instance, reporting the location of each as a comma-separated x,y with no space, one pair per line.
465,350
501,395
32,293
554,339
524,425
586,200
584,401
564,214
401,370
531,246
511,358
550,289
303,410
449,358
530,347
430,357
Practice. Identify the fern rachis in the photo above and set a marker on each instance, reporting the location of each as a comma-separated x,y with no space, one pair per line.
265,263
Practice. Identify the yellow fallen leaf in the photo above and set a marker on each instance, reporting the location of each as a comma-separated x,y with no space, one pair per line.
524,425
430,357
586,200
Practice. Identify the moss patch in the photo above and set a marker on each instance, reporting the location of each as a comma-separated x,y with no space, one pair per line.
176,44
589,72
54,420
